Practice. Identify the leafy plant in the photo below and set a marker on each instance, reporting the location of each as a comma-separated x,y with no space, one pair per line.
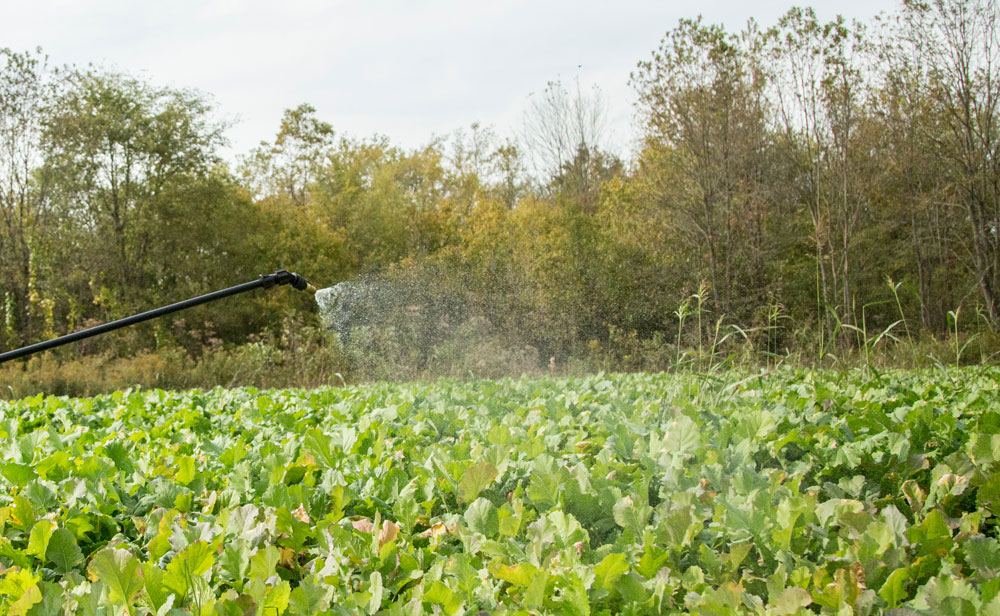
769,493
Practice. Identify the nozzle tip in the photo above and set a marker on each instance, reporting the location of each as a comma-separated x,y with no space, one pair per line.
311,289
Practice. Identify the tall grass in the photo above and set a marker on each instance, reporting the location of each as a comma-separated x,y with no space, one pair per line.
696,339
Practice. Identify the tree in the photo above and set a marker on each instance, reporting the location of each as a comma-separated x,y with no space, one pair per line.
818,93
388,202
957,43
116,146
482,165
843,98
290,164
26,89
565,133
915,192
701,100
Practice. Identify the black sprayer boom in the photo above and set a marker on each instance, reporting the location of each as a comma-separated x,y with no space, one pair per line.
280,277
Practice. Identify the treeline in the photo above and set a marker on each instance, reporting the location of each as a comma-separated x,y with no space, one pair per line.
799,188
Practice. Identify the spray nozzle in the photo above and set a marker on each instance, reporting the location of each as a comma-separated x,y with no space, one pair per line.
290,278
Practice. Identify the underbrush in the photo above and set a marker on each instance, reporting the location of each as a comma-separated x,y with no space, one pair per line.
303,355
301,359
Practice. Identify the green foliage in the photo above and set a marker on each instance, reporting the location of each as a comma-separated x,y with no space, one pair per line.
778,493
775,190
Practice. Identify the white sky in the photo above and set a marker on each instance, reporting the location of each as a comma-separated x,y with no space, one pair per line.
408,70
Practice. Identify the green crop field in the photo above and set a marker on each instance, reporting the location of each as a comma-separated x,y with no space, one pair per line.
793,492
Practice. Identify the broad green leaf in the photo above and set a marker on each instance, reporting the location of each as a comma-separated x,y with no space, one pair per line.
63,550
612,567
632,516
983,555
337,496
262,563
234,454
241,605
439,594
573,597
90,603
534,596
119,569
567,528
481,517
990,590
307,599
893,590
683,436
474,480
235,562
185,470
546,485
990,608
321,446
511,515
988,494
678,527
18,474
737,554
193,561
631,588
52,600
156,590
932,535
651,561
949,595
120,456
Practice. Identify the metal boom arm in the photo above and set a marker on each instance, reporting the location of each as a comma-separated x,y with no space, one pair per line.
280,277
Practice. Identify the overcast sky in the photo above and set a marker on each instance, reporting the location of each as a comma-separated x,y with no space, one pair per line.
408,70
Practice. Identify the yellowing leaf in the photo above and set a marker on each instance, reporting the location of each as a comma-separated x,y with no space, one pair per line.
38,540
364,525
301,514
519,575
160,544
791,601
185,470
286,557
262,563
437,530
276,599
22,587
25,602
23,514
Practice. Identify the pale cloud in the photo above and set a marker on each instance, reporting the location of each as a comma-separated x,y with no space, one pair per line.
406,70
